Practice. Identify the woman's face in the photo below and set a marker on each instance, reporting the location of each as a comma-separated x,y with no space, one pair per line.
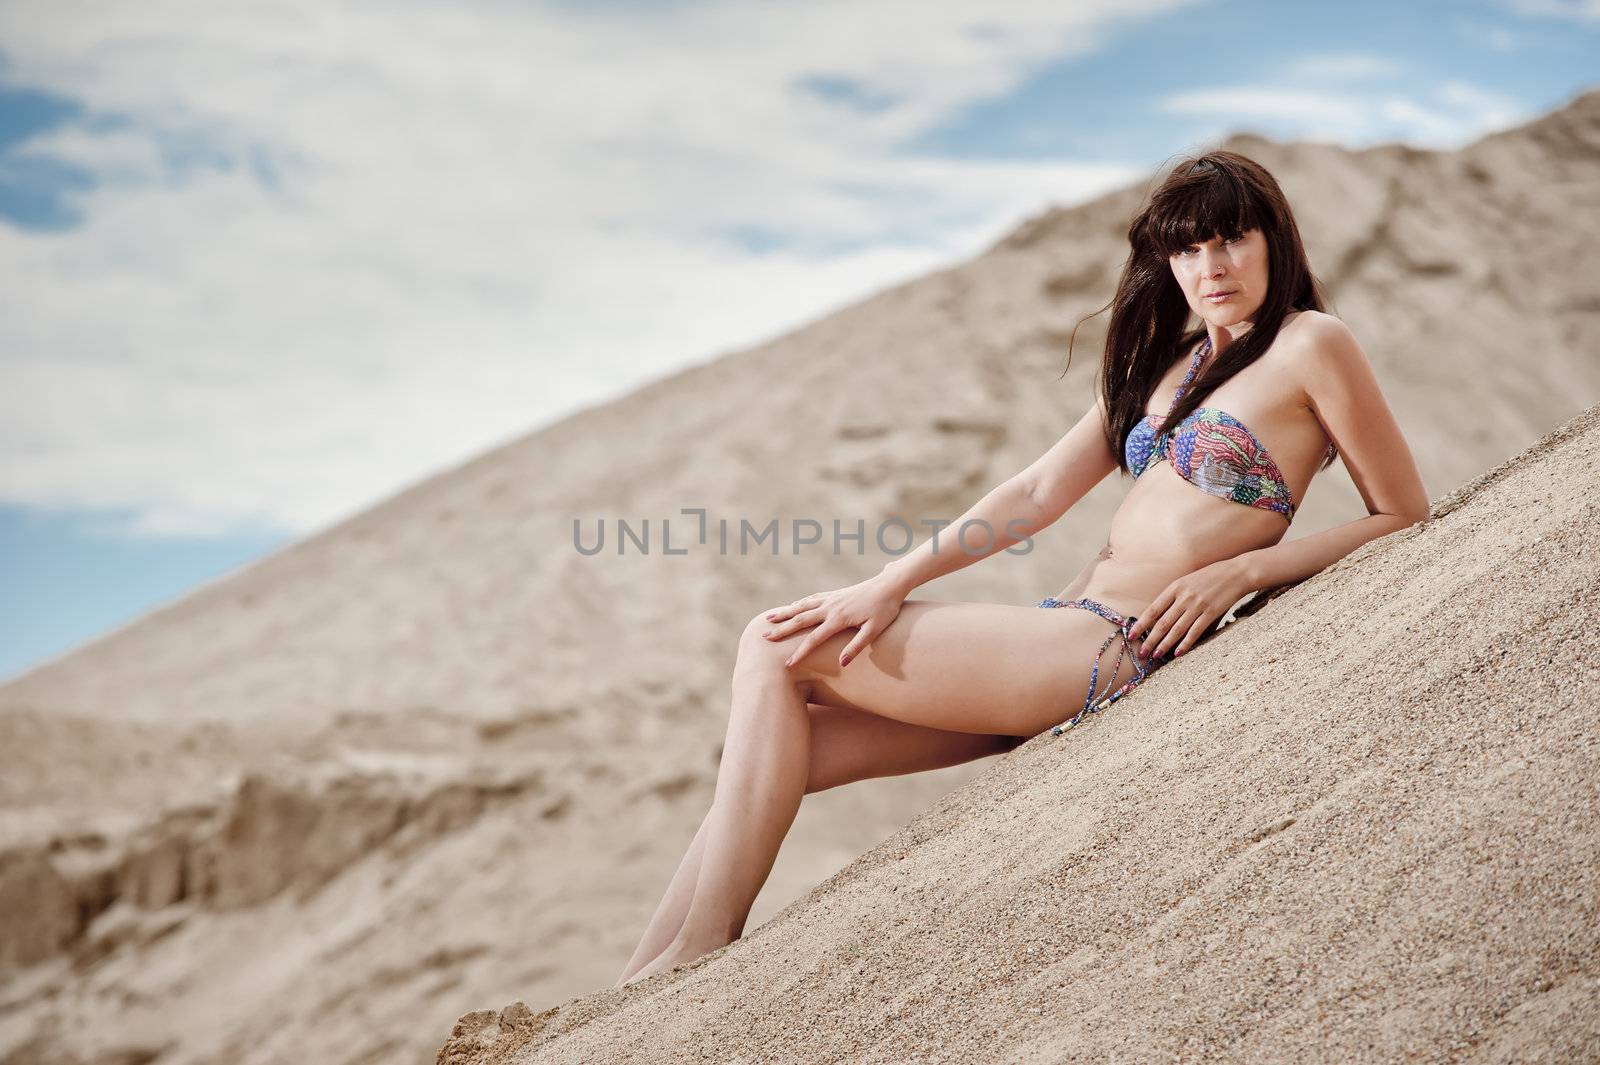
1237,267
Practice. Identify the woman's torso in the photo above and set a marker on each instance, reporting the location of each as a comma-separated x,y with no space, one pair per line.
1167,527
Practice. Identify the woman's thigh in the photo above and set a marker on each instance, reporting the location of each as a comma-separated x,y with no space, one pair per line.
965,667
849,745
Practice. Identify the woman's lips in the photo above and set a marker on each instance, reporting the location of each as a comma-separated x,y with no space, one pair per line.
1220,298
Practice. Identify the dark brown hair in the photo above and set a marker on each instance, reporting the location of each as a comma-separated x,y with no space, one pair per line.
1221,194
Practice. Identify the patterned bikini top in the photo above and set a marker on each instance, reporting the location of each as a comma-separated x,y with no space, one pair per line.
1212,450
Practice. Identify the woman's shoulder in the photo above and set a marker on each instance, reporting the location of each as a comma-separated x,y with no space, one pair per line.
1309,327
1309,335
1324,351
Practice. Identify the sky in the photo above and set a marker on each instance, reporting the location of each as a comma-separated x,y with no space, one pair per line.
266,264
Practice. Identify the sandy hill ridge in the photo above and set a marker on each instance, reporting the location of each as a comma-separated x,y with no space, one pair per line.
432,757
1355,825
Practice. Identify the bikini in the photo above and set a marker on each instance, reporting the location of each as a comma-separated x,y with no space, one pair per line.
1212,450
1215,452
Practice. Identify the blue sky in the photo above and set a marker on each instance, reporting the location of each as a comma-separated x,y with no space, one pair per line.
268,264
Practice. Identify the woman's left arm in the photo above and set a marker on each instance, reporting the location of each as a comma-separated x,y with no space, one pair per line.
1343,392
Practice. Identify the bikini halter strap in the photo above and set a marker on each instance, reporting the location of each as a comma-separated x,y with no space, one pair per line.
1194,368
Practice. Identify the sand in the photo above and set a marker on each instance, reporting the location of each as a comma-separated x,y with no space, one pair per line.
1357,824
431,759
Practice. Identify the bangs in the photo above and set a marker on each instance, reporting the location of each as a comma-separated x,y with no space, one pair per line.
1213,205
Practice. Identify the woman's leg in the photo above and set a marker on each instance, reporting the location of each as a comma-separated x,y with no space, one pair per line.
846,745
668,918
980,668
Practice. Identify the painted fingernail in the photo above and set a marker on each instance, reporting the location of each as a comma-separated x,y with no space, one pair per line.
845,661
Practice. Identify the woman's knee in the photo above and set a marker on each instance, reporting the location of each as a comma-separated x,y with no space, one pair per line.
755,630
755,650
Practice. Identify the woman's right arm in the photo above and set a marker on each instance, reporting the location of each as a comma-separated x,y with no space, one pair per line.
1015,510
1024,505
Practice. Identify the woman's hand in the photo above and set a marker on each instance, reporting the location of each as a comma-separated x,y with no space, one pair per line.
868,607
1189,606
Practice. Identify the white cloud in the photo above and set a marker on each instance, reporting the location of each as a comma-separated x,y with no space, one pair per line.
424,229
1572,10
1493,37
1298,107
1343,66
1489,110
1445,116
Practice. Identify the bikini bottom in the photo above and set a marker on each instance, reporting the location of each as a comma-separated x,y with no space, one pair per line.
1142,667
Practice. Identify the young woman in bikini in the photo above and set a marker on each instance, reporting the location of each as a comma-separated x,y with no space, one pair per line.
1222,428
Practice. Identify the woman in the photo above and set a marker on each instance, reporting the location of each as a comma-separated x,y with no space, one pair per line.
1222,428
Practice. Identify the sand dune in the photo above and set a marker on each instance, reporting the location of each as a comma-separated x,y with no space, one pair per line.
433,757
1350,826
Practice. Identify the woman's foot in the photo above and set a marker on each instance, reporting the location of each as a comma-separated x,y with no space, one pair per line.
676,954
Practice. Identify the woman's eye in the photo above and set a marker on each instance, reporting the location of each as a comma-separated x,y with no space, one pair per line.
1228,240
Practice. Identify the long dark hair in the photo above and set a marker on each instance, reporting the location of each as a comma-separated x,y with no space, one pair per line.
1219,193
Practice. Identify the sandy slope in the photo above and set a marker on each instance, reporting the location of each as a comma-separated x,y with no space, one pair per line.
431,757
1358,824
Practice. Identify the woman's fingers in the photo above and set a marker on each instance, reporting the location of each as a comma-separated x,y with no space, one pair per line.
1154,614
783,629
1157,630
863,637
782,612
1197,630
813,638
1176,630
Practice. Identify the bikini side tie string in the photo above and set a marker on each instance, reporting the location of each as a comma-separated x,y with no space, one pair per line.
1123,625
